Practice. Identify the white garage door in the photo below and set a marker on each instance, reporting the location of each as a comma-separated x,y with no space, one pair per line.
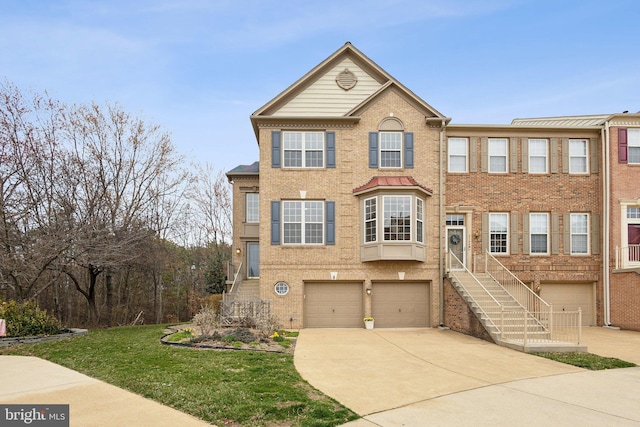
400,305
333,305
570,297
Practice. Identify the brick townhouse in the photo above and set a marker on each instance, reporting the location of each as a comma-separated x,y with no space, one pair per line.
362,189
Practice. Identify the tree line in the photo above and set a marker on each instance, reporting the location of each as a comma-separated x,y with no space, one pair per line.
102,221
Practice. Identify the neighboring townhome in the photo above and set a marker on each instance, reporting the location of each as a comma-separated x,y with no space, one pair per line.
367,202
621,195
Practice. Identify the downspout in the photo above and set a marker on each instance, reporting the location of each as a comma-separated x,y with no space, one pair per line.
441,228
606,202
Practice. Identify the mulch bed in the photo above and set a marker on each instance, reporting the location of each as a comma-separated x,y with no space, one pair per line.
237,338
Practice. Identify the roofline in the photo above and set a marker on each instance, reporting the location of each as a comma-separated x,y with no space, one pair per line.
374,69
421,189
324,120
522,127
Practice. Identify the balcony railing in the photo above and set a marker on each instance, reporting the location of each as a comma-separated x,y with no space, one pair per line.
628,257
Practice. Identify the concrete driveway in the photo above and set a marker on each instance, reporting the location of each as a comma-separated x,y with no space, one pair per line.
417,377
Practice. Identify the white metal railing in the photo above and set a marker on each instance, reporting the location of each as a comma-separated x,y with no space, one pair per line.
514,286
558,326
628,256
535,322
491,305
229,295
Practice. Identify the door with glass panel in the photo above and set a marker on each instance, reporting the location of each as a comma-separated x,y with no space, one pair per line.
456,233
253,260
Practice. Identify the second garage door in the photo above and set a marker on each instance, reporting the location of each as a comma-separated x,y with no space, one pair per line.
401,305
570,297
333,305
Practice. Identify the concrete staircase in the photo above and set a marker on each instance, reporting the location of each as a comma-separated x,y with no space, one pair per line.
246,290
507,321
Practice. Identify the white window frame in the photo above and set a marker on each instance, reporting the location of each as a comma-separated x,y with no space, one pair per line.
493,151
633,142
387,220
535,230
630,214
573,155
493,232
577,233
538,141
371,217
454,151
281,288
303,220
419,220
252,206
382,149
304,146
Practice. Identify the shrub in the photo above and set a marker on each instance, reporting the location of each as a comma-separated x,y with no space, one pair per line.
240,334
26,319
206,320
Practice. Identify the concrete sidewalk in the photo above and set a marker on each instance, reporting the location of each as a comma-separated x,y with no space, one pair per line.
30,380
439,377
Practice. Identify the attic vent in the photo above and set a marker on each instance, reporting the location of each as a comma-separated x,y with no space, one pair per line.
346,79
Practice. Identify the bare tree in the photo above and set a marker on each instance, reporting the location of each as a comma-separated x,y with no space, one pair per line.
117,168
31,233
213,207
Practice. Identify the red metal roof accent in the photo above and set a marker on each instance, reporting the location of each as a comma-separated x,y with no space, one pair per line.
391,181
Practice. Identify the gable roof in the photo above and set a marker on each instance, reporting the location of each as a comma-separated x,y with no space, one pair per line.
377,82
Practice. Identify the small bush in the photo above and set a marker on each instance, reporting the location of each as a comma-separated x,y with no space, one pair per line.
26,319
240,334
206,320
203,338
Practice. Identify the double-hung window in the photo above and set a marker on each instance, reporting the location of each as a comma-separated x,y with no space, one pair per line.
419,220
370,220
303,222
538,155
498,149
633,146
579,233
390,149
303,149
397,217
578,155
458,154
499,233
539,233
253,207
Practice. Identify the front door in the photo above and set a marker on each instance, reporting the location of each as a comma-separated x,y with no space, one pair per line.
456,244
253,260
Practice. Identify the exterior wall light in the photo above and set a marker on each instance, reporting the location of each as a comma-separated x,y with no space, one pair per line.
368,291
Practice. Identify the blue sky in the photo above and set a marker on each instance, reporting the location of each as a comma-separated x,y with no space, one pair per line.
200,68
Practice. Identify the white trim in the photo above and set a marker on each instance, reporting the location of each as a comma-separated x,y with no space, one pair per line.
506,155
588,233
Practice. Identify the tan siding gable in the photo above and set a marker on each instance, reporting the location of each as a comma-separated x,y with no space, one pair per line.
324,98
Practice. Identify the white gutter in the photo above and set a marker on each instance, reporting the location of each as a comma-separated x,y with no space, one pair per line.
606,201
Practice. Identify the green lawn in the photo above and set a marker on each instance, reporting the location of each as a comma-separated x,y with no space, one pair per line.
249,388
587,360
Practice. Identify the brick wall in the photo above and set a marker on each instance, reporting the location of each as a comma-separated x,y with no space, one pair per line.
458,317
520,193
297,265
624,287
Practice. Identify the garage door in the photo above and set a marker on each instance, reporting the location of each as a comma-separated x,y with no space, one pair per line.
569,297
400,305
333,305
